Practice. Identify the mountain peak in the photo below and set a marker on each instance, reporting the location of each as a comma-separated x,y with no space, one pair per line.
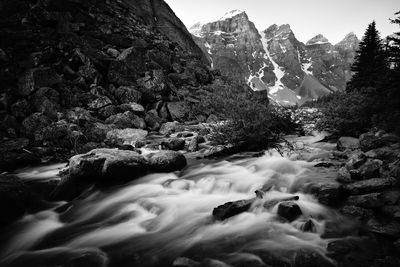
231,14
318,39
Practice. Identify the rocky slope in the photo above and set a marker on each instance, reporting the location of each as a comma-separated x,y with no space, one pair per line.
274,59
77,75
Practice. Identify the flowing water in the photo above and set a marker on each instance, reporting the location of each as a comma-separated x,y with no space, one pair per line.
160,217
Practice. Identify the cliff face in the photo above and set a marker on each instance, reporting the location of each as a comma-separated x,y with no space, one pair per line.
275,60
75,71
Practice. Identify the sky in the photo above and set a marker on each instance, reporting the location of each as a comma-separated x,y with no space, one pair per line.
307,18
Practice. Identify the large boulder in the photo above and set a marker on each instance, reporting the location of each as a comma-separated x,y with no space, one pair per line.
99,103
370,141
345,143
169,128
127,136
122,120
166,161
390,229
175,144
370,168
368,201
109,165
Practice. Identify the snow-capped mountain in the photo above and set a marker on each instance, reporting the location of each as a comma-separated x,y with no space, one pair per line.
274,60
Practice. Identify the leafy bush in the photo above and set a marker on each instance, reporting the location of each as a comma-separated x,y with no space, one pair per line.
247,118
345,113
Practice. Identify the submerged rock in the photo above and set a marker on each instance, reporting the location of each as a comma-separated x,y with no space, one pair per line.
231,209
289,210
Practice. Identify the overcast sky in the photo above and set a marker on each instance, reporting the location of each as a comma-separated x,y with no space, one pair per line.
332,18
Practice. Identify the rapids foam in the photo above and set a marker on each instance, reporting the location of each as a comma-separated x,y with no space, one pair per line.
168,216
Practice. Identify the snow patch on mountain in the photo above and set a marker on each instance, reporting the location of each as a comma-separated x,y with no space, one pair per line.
277,70
231,14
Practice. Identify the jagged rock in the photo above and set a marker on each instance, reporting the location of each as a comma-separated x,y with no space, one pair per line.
99,103
113,52
327,193
35,78
178,110
309,226
348,143
368,186
356,160
168,127
368,201
174,144
62,134
370,141
128,136
357,212
14,198
193,144
166,161
128,94
386,154
79,116
370,168
153,85
97,132
394,170
289,210
108,111
231,209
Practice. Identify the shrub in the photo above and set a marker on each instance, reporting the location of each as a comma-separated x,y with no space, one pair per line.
247,119
346,113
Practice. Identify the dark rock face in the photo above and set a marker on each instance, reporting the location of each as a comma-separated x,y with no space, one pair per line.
327,193
74,66
166,161
274,59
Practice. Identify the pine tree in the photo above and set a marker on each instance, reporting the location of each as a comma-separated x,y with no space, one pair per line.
370,62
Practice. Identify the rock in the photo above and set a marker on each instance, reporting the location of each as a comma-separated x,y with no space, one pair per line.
368,186
370,141
343,175
390,229
212,119
36,78
152,120
108,111
327,193
128,94
356,160
185,262
13,145
394,170
168,128
370,168
357,212
14,198
309,226
272,202
133,107
368,201
305,258
62,134
122,120
99,103
107,165
97,132
193,145
174,144
231,209
386,154
178,110
347,143
128,136
153,85
21,109
79,116
34,124
289,210
166,161
113,52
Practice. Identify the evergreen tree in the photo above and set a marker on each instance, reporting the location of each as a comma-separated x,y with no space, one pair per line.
370,62
394,42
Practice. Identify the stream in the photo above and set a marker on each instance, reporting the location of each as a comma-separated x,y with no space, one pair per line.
166,219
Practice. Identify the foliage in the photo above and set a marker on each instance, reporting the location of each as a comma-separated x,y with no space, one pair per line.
248,120
345,113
